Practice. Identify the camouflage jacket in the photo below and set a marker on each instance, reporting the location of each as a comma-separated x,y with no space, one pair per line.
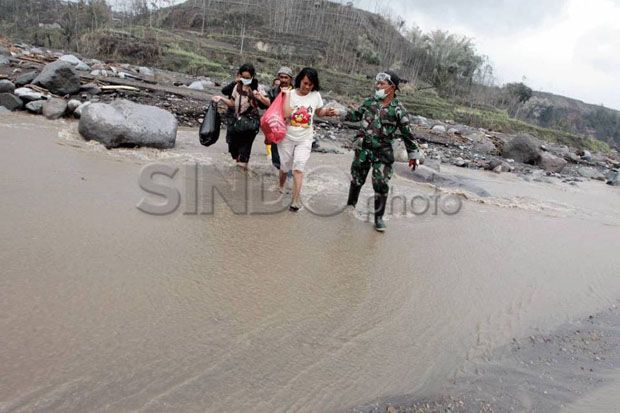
379,127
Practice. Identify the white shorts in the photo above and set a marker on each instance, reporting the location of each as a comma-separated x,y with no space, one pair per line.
294,154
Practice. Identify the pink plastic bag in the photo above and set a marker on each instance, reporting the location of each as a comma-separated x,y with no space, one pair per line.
272,123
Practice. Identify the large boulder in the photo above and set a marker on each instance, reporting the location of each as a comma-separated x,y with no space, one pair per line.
59,78
54,108
126,124
6,86
552,163
523,148
10,101
614,179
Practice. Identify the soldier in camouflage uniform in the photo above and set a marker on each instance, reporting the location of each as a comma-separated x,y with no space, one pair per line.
381,116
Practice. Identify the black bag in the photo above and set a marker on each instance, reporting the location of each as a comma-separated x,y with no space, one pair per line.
246,123
210,128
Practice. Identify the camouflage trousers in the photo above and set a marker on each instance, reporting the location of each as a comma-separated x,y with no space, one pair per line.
381,170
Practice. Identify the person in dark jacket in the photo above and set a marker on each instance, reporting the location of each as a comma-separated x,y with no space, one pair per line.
244,99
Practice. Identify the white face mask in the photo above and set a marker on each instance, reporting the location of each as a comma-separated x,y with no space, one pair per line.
380,94
246,82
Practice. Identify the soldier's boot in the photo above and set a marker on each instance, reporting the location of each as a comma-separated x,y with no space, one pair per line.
354,194
380,203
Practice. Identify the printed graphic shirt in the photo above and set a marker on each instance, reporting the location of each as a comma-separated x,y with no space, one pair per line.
303,109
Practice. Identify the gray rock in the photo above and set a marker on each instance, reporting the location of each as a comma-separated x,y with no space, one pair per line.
35,106
78,111
4,61
59,78
197,85
90,88
336,105
438,129
428,175
614,179
27,94
6,86
586,156
590,173
571,157
420,120
145,71
25,79
94,62
4,51
10,101
460,162
101,72
54,108
83,67
552,163
523,148
485,146
126,124
72,105
69,58
400,152
4,111
499,166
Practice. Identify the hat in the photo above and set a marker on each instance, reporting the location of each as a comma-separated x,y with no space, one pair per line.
395,79
285,70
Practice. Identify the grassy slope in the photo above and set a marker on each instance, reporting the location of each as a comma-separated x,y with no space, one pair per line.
217,56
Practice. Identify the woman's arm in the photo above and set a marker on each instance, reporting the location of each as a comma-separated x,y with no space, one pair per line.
229,102
261,98
327,112
286,105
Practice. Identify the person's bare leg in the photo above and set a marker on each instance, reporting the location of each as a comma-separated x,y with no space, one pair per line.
298,179
283,176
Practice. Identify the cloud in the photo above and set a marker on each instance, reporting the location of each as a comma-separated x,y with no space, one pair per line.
477,16
600,48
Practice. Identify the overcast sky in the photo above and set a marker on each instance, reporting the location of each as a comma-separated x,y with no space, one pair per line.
568,47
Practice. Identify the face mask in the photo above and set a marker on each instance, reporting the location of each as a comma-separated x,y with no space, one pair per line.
380,94
246,82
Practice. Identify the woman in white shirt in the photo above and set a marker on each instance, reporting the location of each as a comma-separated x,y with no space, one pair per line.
300,106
